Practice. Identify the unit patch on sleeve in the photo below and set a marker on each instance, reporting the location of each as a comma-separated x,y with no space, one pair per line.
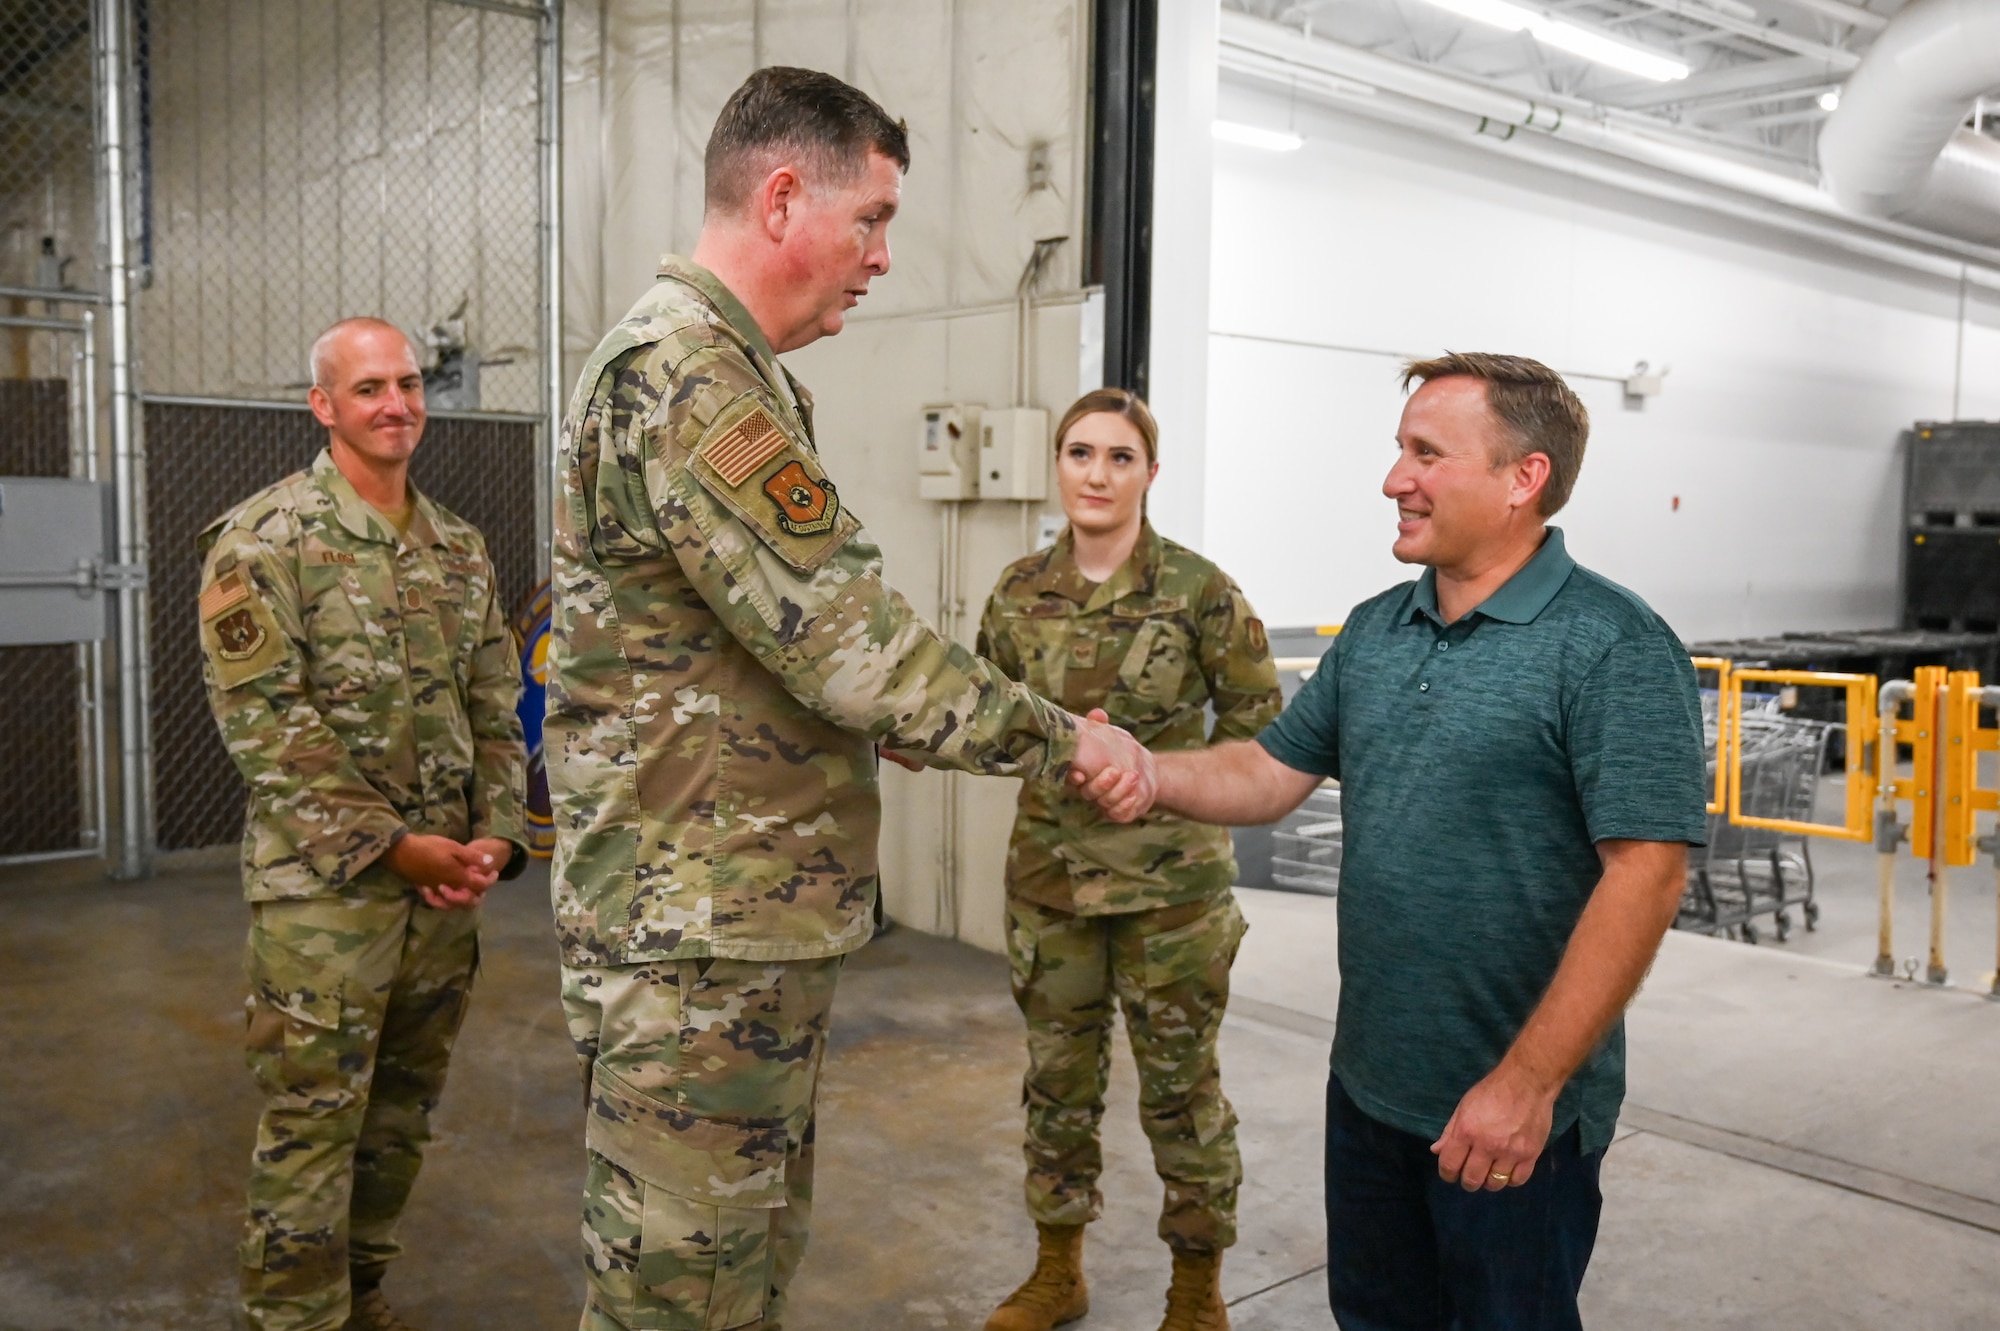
805,507
238,635
238,631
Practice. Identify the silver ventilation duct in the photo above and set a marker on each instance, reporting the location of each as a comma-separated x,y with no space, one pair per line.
1895,147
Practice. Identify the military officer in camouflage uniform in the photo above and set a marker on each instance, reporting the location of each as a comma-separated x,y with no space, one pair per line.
364,680
1115,617
725,659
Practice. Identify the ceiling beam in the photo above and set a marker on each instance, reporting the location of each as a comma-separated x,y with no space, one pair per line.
1854,16
1736,101
1696,12
1750,76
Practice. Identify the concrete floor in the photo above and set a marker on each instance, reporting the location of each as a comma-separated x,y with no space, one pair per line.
1805,1147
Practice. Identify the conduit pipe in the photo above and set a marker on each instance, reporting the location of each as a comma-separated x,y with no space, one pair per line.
1529,129
1896,148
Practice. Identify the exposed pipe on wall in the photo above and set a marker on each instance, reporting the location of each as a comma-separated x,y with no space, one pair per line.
128,575
548,475
1896,147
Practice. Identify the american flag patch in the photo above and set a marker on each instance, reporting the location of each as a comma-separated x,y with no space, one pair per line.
751,443
224,592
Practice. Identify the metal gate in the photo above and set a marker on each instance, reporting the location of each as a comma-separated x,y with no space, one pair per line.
52,795
232,176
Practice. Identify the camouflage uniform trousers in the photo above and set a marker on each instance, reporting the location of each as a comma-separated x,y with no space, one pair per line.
1168,968
701,1077
353,1008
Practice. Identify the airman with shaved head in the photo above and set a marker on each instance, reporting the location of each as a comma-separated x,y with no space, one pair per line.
361,672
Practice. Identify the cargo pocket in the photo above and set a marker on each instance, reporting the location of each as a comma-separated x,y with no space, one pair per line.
707,1192
1204,948
293,1037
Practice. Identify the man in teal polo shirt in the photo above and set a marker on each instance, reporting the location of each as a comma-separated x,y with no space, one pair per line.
1519,748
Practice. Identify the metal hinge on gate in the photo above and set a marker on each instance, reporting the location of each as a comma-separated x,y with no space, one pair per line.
122,577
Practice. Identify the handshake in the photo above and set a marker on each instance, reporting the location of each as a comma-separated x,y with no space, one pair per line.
1113,770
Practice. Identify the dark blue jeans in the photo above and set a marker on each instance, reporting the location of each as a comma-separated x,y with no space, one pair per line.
1407,1251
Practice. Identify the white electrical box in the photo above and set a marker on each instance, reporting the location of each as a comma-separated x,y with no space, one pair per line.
947,453
1014,453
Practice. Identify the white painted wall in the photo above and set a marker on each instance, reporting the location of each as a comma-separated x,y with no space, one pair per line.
1183,186
1794,370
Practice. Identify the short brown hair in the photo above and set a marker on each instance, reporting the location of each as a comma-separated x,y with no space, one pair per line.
1532,402
781,113
1115,402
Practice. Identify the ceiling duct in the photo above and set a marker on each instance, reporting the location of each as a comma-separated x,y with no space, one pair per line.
1895,147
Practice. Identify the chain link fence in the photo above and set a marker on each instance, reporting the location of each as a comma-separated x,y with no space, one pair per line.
204,459
304,162
286,166
48,249
299,164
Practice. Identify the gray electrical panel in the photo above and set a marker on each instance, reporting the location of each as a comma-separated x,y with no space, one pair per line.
55,560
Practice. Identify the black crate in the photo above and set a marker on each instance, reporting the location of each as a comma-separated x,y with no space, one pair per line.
1951,578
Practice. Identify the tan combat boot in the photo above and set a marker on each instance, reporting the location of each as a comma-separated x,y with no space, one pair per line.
1194,1299
1055,1293
371,1313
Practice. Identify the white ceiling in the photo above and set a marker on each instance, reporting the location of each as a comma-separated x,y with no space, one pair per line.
1759,66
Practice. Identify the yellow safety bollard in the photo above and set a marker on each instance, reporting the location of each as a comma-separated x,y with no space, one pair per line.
1927,803
1888,830
1964,798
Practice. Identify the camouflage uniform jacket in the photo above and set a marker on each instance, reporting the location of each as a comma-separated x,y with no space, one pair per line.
364,682
1153,644
725,654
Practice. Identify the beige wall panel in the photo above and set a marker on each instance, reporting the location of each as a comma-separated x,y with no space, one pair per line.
903,59
642,151
718,50
1017,64
811,34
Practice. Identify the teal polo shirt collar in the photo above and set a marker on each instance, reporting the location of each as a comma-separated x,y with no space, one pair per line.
1520,600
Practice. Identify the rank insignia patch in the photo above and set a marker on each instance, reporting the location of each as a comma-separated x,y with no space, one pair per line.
805,507
238,635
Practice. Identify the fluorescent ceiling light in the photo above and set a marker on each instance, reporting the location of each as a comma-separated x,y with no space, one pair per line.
1253,136
1569,37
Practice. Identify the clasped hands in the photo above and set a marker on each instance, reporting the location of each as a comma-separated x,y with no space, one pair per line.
1111,769
446,874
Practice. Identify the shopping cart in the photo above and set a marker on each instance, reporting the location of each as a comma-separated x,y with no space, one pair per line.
1305,847
1744,873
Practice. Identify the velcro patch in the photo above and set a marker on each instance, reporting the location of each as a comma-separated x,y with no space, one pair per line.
748,445
774,485
225,592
